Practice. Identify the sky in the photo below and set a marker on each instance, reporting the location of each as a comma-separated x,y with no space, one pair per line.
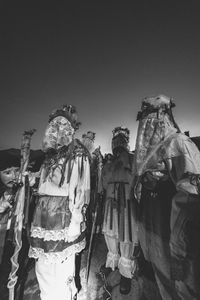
103,57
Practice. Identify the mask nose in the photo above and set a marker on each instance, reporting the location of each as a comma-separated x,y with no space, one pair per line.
14,175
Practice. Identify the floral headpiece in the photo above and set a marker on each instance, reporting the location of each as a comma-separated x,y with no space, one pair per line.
121,131
89,135
69,112
120,138
158,104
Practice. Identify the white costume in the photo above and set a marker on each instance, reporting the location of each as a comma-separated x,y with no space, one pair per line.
58,228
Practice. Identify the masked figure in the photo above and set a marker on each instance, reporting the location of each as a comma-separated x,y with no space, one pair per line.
167,166
119,225
9,185
9,170
58,228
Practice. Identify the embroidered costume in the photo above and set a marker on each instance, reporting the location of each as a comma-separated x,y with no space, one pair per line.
119,225
58,228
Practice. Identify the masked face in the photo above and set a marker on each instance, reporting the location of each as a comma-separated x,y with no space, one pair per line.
119,144
9,176
109,158
152,132
59,133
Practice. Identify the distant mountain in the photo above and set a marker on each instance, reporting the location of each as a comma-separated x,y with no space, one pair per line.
13,155
37,156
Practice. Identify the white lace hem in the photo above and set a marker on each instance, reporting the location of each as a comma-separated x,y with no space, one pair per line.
127,267
49,235
53,257
112,260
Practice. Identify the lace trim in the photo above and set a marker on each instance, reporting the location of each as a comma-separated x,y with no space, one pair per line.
112,260
53,257
127,267
49,235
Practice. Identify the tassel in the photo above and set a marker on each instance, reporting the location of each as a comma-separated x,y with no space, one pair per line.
124,194
121,201
111,213
129,220
82,167
70,168
63,172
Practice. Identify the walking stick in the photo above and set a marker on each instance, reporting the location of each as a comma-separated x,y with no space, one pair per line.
17,215
98,200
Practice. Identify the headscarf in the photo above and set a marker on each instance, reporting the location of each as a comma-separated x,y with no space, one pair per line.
156,125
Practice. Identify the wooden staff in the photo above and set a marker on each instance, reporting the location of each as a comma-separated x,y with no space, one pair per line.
17,216
98,196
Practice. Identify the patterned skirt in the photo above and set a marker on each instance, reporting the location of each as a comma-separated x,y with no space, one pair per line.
49,230
120,215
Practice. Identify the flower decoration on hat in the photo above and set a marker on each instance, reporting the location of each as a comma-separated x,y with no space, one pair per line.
121,131
159,104
89,135
120,138
69,112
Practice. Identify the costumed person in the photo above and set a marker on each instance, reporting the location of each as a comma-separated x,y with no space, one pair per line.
9,186
88,142
9,169
93,212
96,179
58,228
119,224
167,166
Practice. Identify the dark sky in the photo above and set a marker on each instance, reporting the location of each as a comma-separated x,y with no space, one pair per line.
101,56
